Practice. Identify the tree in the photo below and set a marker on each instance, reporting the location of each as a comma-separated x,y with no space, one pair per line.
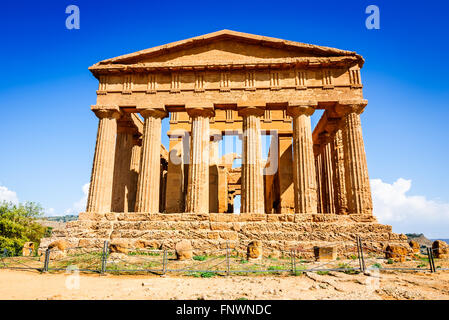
18,224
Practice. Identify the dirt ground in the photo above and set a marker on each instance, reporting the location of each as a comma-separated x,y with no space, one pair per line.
19,284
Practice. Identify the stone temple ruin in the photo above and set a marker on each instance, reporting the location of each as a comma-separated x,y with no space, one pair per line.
312,190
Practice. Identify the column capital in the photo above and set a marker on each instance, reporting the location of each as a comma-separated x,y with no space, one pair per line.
344,107
201,111
247,108
177,134
324,138
215,134
297,108
103,111
152,112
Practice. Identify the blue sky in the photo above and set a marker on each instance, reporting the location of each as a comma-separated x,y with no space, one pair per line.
48,132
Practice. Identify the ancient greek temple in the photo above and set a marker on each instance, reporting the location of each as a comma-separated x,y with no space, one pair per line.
222,84
230,83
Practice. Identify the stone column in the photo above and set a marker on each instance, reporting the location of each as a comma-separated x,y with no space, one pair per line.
356,170
122,168
319,177
148,185
134,173
285,173
198,181
304,174
176,171
328,174
100,190
341,203
252,199
214,158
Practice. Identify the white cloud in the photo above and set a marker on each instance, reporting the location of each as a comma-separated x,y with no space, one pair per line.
8,195
80,205
409,214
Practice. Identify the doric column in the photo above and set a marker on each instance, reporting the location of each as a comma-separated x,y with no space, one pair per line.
319,177
148,185
328,174
176,171
198,183
341,203
134,172
122,167
214,160
252,199
304,174
356,169
100,190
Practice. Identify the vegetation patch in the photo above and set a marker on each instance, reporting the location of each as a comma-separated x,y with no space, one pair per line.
199,258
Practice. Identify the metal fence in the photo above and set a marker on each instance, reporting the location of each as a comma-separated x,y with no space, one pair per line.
358,258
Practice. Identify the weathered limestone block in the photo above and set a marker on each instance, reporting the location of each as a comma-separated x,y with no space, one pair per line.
327,253
440,249
397,252
59,245
146,244
184,250
414,246
119,246
254,250
28,249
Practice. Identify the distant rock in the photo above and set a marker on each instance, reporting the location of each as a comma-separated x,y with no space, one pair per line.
420,238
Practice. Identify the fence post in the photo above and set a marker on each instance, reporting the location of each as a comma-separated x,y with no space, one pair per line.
104,257
431,261
46,259
164,262
228,271
360,254
294,261
291,261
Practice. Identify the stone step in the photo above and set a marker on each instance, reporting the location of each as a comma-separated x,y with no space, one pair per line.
217,246
233,226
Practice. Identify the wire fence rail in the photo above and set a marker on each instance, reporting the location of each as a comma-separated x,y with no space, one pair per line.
360,257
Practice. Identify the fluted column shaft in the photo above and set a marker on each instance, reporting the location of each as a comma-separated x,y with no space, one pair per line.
356,169
100,190
198,182
148,185
319,179
341,203
252,199
122,169
327,173
304,174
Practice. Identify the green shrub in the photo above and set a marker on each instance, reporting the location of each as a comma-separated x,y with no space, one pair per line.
275,268
390,261
377,265
18,224
322,273
347,268
199,258
298,271
207,274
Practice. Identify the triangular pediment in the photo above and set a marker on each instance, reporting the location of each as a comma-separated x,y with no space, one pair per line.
226,47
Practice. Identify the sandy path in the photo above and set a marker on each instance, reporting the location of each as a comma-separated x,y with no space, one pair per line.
33,285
